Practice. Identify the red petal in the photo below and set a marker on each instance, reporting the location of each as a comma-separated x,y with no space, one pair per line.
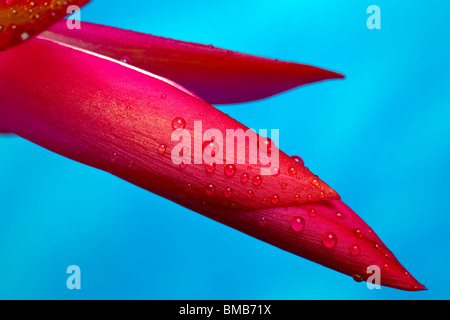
117,118
218,76
22,19
118,109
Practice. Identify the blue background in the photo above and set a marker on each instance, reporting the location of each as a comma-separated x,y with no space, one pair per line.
380,138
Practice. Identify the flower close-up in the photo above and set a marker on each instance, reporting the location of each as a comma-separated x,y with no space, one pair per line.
114,135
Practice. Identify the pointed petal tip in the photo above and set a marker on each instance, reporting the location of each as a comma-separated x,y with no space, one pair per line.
415,287
420,287
329,75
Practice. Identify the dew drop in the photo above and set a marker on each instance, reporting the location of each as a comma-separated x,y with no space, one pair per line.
210,188
340,215
275,198
314,182
309,197
13,12
357,232
244,177
355,250
292,171
296,197
249,193
230,170
114,157
130,164
321,194
275,171
357,277
24,36
266,145
227,192
163,96
297,224
183,151
329,239
262,221
212,147
162,148
283,185
178,123
264,201
125,59
312,212
257,180
298,160
188,186
182,165
386,267
210,167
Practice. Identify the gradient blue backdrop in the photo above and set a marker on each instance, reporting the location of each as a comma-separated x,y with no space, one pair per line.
380,138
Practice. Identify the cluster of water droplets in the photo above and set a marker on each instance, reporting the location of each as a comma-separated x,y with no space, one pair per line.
29,13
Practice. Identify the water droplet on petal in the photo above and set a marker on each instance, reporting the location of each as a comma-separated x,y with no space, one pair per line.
262,221
357,277
125,59
357,232
312,212
210,188
266,145
314,182
249,193
340,215
188,186
329,239
163,96
264,201
230,170
298,160
182,165
296,197
212,147
210,167
283,185
275,171
227,192
309,197
355,250
321,194
114,157
292,171
162,148
178,123
297,224
257,180
386,267
24,36
244,177
275,198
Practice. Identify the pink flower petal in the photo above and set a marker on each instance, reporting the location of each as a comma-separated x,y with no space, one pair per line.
112,116
217,75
